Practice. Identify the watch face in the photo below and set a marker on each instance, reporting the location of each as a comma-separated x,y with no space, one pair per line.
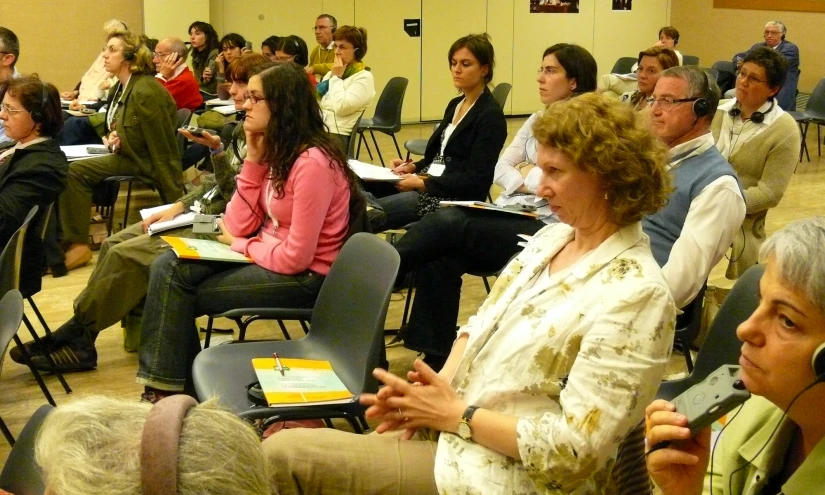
464,431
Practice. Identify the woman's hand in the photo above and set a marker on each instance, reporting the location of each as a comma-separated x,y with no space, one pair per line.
410,182
678,469
75,105
401,167
163,216
69,95
225,237
112,142
255,146
338,66
211,141
207,74
221,60
400,404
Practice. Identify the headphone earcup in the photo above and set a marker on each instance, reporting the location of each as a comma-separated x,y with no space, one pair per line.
37,116
757,117
818,360
128,55
734,112
701,108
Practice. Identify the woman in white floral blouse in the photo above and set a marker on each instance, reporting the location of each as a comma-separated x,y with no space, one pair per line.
546,380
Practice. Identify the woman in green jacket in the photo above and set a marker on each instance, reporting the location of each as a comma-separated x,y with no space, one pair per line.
141,122
774,443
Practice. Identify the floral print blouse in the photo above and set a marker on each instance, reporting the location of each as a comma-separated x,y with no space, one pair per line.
576,355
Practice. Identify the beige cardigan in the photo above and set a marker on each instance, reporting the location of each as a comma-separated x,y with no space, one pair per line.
765,165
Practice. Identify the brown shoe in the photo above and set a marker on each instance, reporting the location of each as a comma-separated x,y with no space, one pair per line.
77,255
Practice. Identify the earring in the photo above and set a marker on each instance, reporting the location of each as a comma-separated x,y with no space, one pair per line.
605,195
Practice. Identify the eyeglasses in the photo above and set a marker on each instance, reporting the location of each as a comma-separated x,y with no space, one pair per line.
285,58
111,49
667,103
254,99
9,110
750,78
548,71
320,28
775,33
342,47
158,54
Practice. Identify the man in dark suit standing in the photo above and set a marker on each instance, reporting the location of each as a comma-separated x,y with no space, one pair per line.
622,4
775,38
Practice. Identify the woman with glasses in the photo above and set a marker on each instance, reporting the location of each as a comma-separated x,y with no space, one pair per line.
450,242
33,172
762,143
205,50
651,63
348,88
289,214
294,49
461,155
139,131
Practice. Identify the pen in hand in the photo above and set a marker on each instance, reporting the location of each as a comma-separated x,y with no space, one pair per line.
278,364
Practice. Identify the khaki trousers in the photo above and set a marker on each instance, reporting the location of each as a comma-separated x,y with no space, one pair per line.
329,462
121,277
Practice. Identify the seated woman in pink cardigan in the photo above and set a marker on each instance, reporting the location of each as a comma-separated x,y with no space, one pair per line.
289,214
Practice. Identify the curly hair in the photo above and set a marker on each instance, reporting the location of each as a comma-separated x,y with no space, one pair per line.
141,62
93,446
355,36
610,139
295,125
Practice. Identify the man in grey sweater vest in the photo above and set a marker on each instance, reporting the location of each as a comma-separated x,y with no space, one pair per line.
690,235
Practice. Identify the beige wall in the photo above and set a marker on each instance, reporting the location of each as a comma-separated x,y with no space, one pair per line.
718,34
59,43
164,18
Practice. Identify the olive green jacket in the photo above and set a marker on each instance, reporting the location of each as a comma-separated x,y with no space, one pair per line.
742,440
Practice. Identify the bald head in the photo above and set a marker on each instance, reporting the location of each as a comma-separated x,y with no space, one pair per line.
172,45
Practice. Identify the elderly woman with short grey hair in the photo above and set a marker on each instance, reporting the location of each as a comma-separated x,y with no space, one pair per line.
774,442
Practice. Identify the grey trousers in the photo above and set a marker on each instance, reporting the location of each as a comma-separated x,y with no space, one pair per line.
331,462
121,277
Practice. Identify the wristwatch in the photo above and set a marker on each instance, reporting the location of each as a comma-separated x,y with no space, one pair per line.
465,431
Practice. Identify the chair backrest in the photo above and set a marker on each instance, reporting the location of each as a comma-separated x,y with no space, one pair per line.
712,74
11,315
690,60
689,323
501,92
721,346
351,309
623,65
184,116
724,66
21,475
12,255
354,137
388,108
816,103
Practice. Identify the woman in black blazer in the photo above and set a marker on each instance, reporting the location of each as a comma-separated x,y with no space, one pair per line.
462,153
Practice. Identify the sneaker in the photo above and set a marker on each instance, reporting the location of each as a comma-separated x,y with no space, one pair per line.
71,331
153,395
68,357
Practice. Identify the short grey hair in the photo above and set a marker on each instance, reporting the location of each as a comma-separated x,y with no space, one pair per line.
177,46
778,24
797,252
93,446
113,25
700,85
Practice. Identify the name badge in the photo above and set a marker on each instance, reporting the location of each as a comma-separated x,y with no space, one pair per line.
436,169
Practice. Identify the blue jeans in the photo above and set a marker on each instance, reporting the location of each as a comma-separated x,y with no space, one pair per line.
400,208
181,290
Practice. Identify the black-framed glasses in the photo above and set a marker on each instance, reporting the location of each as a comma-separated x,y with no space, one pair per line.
667,103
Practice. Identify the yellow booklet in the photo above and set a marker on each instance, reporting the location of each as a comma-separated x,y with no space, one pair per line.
203,249
305,382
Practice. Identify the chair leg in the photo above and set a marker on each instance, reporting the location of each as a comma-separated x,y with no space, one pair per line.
6,432
358,148
283,330
395,141
377,149
35,373
364,424
39,316
48,356
486,284
126,212
408,302
208,338
688,357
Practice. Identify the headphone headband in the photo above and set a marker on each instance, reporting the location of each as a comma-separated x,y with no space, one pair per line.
39,114
818,361
159,445
701,107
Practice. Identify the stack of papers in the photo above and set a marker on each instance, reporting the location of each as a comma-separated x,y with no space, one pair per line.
66,103
372,173
216,102
225,110
305,382
181,220
82,151
514,209
202,249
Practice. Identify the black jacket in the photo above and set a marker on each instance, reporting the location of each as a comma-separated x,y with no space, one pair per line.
471,153
35,175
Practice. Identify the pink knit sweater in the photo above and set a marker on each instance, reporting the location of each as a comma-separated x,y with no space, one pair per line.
310,220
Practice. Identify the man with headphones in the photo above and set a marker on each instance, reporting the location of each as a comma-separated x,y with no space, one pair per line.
9,52
775,38
690,235
323,55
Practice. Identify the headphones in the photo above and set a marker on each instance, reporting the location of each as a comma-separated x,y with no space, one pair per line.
701,107
756,117
818,362
159,445
38,115
129,55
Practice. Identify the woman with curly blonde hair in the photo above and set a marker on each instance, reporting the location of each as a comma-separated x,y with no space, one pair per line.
546,380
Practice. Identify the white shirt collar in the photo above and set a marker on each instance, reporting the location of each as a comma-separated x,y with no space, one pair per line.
330,46
695,146
178,71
